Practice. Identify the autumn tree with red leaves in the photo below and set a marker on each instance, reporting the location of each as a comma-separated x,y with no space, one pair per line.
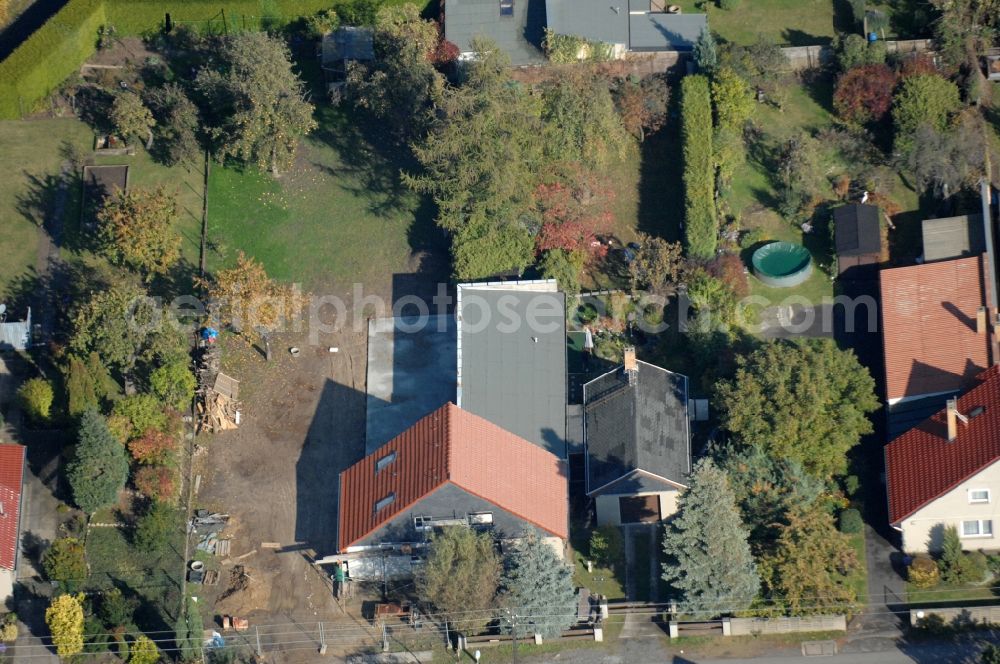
573,213
153,447
156,482
864,94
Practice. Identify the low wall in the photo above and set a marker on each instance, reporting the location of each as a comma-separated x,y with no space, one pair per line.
980,614
751,626
809,57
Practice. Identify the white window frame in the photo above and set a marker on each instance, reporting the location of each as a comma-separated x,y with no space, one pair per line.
978,501
979,525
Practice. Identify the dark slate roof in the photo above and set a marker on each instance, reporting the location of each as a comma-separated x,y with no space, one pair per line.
953,237
519,35
856,230
639,427
514,374
615,24
349,43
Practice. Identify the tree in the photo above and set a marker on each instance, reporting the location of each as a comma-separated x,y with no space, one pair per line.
153,447
115,609
131,117
35,396
864,94
798,172
965,28
539,596
701,230
117,324
176,123
257,101
135,415
173,384
480,163
733,99
64,561
563,266
156,482
945,161
955,565
401,86
154,528
144,651
606,546
642,104
137,230
714,302
99,467
574,209
705,53
709,565
766,489
64,618
657,265
250,299
805,400
581,123
810,568
853,50
88,383
923,99
461,577
990,654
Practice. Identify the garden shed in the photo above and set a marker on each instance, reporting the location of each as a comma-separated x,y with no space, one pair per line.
953,237
857,239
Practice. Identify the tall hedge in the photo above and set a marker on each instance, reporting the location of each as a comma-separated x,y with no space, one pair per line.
53,52
39,65
701,229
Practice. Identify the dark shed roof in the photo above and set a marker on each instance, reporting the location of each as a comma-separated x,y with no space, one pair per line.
856,230
953,237
512,358
519,34
641,425
631,24
349,43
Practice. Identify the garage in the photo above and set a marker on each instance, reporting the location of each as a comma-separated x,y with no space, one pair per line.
639,509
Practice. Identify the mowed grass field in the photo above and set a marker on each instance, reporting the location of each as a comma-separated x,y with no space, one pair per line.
31,153
340,216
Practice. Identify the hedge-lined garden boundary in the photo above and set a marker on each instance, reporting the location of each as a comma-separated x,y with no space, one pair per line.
39,66
701,229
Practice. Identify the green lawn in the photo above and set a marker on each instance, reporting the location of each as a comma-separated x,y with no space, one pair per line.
801,22
340,216
33,152
859,580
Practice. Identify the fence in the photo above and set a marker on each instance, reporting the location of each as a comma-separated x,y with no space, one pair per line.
758,626
808,57
988,615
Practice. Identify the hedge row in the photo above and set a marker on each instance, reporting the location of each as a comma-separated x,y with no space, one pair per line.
57,49
701,230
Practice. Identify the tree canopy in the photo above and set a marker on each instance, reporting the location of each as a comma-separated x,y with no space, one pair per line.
257,102
99,467
923,99
538,590
461,577
251,300
131,117
64,618
120,324
864,94
64,561
177,123
709,565
137,230
805,400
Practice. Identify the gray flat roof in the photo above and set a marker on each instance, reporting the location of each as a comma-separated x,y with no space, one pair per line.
512,358
518,35
953,237
637,426
631,24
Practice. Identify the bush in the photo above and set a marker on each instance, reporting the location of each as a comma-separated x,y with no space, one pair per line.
158,483
65,562
864,93
135,415
701,230
607,548
36,397
923,99
153,447
851,485
154,528
855,51
751,237
174,384
923,572
977,567
850,522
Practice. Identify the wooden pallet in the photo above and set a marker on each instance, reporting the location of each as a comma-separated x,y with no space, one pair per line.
211,578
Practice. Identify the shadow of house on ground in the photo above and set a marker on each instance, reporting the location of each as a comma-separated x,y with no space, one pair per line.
335,441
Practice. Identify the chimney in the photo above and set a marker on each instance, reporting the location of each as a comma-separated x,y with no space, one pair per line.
631,366
981,321
952,408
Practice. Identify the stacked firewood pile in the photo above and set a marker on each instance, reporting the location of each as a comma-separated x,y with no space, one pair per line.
218,405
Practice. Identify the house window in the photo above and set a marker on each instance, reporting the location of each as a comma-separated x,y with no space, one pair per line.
977,528
979,496
384,461
385,502
506,7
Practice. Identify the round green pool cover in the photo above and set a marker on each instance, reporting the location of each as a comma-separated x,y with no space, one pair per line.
782,264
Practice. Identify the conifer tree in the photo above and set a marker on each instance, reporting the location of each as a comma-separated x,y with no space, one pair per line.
709,565
99,468
539,593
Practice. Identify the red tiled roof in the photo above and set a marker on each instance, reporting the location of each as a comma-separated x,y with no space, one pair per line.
922,465
929,326
456,446
11,480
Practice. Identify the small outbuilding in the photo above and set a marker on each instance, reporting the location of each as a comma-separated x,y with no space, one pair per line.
953,237
344,45
857,238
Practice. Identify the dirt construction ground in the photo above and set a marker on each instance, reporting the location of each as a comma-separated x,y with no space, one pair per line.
302,422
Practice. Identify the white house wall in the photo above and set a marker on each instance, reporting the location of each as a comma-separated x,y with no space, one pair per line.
921,531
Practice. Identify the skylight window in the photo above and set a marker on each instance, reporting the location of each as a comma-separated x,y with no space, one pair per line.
387,460
385,502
